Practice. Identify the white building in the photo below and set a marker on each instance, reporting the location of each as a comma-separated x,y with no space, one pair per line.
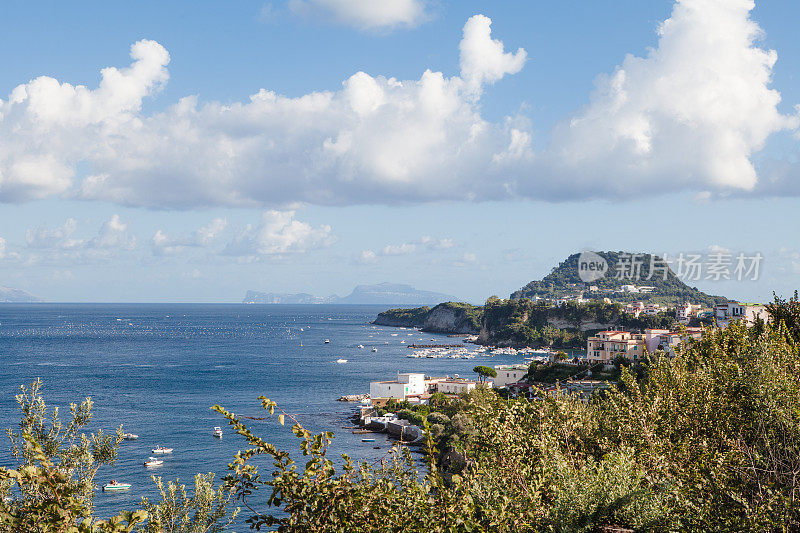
507,374
686,312
458,386
730,311
405,385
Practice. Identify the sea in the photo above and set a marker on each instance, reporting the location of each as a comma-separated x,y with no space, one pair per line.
157,369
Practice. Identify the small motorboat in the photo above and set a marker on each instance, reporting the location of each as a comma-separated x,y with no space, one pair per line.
115,485
360,346
341,361
217,432
327,341
374,349
153,461
368,439
161,449
130,436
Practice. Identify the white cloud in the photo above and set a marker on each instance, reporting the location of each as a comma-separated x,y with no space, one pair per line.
377,139
367,256
60,237
113,234
279,233
483,59
61,243
47,127
406,248
436,244
366,14
204,236
689,115
467,259
717,249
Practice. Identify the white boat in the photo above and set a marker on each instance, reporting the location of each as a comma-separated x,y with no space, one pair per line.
327,341
116,485
153,461
130,436
374,349
161,449
341,361
217,432
360,346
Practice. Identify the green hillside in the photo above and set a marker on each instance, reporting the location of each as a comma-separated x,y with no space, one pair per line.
565,281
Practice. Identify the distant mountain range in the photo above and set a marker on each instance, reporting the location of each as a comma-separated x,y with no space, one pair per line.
380,294
10,295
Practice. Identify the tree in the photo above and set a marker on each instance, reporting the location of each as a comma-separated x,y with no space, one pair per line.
786,311
485,372
52,488
205,511
62,443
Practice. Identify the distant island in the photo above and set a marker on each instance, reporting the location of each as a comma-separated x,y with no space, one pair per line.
11,295
380,294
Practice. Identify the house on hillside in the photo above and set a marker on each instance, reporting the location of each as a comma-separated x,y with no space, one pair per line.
731,311
408,384
507,374
608,345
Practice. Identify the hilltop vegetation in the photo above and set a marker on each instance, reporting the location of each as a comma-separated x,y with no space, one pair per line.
564,281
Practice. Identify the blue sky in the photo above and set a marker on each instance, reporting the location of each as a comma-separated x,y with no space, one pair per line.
608,130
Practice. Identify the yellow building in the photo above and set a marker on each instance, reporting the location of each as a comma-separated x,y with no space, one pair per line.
607,345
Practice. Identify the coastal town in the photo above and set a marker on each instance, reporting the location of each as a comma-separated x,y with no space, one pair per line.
605,351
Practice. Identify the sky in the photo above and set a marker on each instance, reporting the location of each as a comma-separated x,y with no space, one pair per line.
190,151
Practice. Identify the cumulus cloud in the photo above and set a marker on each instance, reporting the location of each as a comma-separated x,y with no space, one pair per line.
483,59
47,127
436,244
376,139
279,233
689,115
366,14
367,256
113,234
406,248
59,237
202,237
425,243
61,242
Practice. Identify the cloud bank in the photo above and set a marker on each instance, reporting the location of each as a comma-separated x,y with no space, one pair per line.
688,116
366,14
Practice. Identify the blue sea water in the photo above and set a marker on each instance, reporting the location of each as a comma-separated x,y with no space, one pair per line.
157,369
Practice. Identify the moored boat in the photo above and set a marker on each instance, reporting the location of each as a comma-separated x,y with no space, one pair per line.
217,432
161,449
130,436
153,461
115,485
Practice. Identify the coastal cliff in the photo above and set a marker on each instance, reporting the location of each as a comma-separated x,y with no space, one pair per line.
521,323
449,317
